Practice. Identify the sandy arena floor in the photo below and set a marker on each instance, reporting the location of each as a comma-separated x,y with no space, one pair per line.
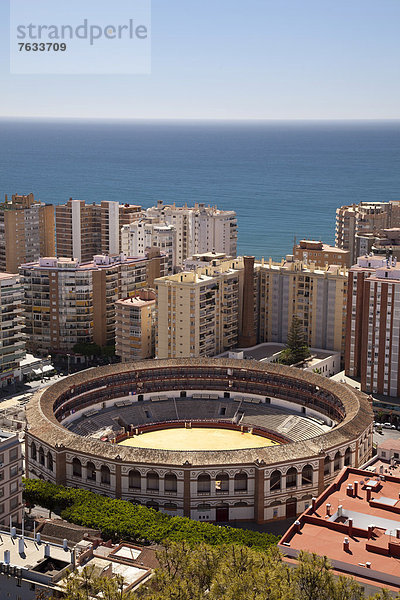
197,439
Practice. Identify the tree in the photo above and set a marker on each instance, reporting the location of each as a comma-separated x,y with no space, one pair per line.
297,349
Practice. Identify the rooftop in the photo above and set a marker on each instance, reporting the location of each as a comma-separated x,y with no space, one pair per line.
356,524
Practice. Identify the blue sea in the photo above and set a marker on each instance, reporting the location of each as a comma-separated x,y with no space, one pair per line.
284,179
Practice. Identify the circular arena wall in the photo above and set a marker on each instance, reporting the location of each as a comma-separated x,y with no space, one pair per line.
75,426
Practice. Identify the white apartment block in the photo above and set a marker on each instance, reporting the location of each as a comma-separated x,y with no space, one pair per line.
373,325
199,229
149,232
199,311
12,341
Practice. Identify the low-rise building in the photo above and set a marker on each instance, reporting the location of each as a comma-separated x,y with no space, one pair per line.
135,326
11,506
32,566
323,362
355,524
12,341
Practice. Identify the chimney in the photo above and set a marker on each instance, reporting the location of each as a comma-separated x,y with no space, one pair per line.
370,530
47,550
346,544
349,490
38,540
350,524
313,502
369,492
340,510
21,545
368,565
65,544
398,534
6,557
248,335
297,526
328,509
356,489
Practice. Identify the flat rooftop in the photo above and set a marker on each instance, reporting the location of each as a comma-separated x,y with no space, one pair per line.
368,518
33,554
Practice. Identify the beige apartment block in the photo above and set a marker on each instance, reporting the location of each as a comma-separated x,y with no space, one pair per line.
373,325
316,296
27,231
199,228
68,302
365,217
310,251
11,505
135,326
12,341
199,312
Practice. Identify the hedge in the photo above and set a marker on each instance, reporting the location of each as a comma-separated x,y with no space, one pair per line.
120,519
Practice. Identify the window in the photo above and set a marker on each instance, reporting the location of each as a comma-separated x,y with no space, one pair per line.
240,482
153,481
222,483
307,475
13,487
90,472
135,479
41,456
14,503
1,508
50,461
276,480
13,454
76,468
14,471
347,457
105,475
170,483
291,478
203,484
327,465
336,461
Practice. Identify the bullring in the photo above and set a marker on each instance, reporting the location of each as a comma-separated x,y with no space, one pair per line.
76,426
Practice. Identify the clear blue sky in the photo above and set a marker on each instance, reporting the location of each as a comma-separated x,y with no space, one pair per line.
235,59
